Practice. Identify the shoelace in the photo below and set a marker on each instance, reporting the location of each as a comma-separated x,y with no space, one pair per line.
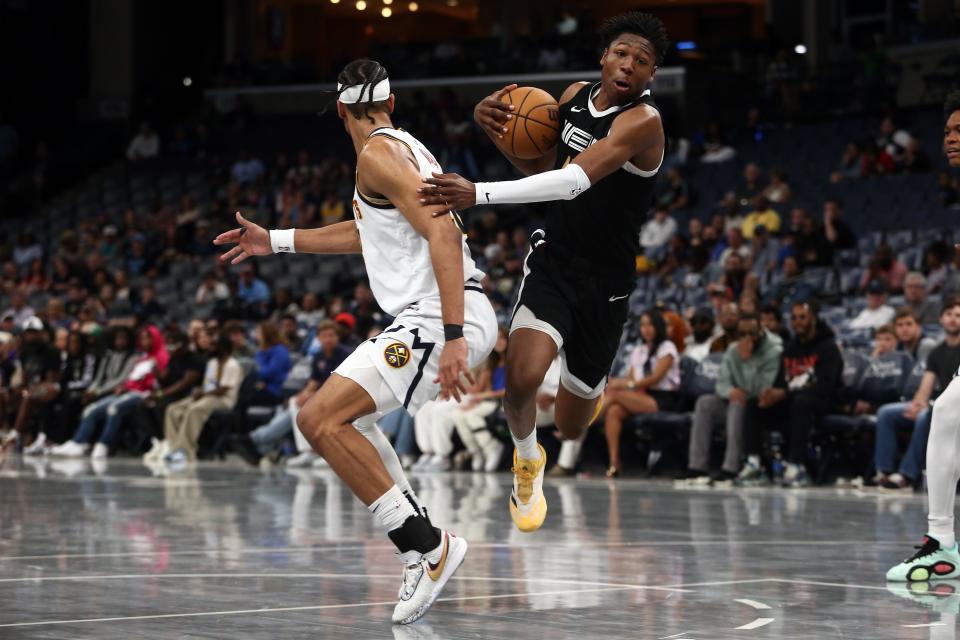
525,478
411,577
927,548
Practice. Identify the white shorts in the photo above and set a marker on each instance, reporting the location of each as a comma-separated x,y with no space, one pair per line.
398,367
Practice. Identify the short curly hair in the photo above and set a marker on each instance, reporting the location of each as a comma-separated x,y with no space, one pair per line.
645,25
951,104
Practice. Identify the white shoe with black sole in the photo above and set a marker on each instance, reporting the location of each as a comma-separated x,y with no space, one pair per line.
423,581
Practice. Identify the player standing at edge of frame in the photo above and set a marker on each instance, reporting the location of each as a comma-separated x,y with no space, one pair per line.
937,557
581,270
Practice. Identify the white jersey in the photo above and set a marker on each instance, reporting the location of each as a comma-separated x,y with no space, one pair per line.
397,258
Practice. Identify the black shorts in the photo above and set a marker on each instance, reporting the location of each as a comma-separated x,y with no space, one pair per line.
585,309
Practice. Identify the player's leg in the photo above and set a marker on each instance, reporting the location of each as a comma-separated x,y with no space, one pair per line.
938,557
529,354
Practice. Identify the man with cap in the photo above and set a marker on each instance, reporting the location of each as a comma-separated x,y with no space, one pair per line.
749,365
697,345
878,312
41,372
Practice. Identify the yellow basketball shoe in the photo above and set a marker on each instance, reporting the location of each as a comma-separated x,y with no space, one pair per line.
528,506
597,409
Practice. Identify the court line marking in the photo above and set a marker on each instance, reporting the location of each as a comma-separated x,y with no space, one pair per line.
320,607
815,583
924,626
752,603
345,576
756,624
480,545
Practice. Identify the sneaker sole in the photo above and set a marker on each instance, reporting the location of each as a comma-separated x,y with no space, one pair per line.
454,560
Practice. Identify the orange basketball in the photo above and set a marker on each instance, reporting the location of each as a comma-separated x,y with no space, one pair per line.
535,127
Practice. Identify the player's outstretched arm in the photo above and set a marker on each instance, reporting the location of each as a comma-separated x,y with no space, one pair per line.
386,167
253,240
634,133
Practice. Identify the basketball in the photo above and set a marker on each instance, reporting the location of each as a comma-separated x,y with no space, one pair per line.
535,127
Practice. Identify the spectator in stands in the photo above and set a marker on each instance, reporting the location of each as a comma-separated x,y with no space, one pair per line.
19,310
729,317
433,429
849,166
762,214
247,169
749,366
76,376
877,311
915,159
26,251
364,308
650,386
884,341
184,420
772,320
347,327
942,364
283,304
310,313
148,364
698,343
893,140
331,209
936,262
734,274
834,234
875,161
951,287
182,375
470,418
695,232
727,215
909,334
807,387
253,294
715,147
885,267
656,232
147,307
265,439
264,385
751,186
763,253
39,383
290,333
915,295
235,331
675,194
145,145
734,244
778,190
211,290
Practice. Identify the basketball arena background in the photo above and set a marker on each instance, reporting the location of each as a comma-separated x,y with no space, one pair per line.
804,162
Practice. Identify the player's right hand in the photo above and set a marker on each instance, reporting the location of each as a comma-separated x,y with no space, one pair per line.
454,370
251,239
492,112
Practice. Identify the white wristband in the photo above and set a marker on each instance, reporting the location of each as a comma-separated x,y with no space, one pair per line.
281,240
560,184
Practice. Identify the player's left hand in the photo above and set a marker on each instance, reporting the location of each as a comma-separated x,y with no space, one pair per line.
449,190
454,370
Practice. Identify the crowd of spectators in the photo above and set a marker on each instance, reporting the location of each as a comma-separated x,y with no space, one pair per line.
100,352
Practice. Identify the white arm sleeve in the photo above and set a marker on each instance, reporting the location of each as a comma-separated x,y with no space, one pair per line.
559,184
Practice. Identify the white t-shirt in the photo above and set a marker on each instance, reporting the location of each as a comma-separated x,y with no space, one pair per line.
873,318
656,234
670,381
232,377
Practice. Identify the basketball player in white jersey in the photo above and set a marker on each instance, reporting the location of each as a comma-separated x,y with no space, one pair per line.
421,272
937,557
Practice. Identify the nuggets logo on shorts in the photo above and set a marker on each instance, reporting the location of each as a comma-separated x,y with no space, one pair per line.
396,354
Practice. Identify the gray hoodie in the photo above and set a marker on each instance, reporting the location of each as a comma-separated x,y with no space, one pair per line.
752,375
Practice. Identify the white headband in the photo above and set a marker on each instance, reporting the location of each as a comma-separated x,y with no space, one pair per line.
350,94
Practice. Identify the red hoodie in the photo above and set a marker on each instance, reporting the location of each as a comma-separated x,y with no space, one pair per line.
148,366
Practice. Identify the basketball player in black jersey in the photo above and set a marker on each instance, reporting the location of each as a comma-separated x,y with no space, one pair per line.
580,271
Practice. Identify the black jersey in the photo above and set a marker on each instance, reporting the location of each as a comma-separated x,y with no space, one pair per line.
601,226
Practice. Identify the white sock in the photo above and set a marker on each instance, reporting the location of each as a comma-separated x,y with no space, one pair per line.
527,447
388,455
943,464
753,461
392,509
570,452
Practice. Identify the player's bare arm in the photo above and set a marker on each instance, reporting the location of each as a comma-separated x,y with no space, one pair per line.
492,113
253,240
385,167
636,136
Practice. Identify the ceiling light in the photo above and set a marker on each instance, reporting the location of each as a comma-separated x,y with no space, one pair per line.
413,6
386,12
361,5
